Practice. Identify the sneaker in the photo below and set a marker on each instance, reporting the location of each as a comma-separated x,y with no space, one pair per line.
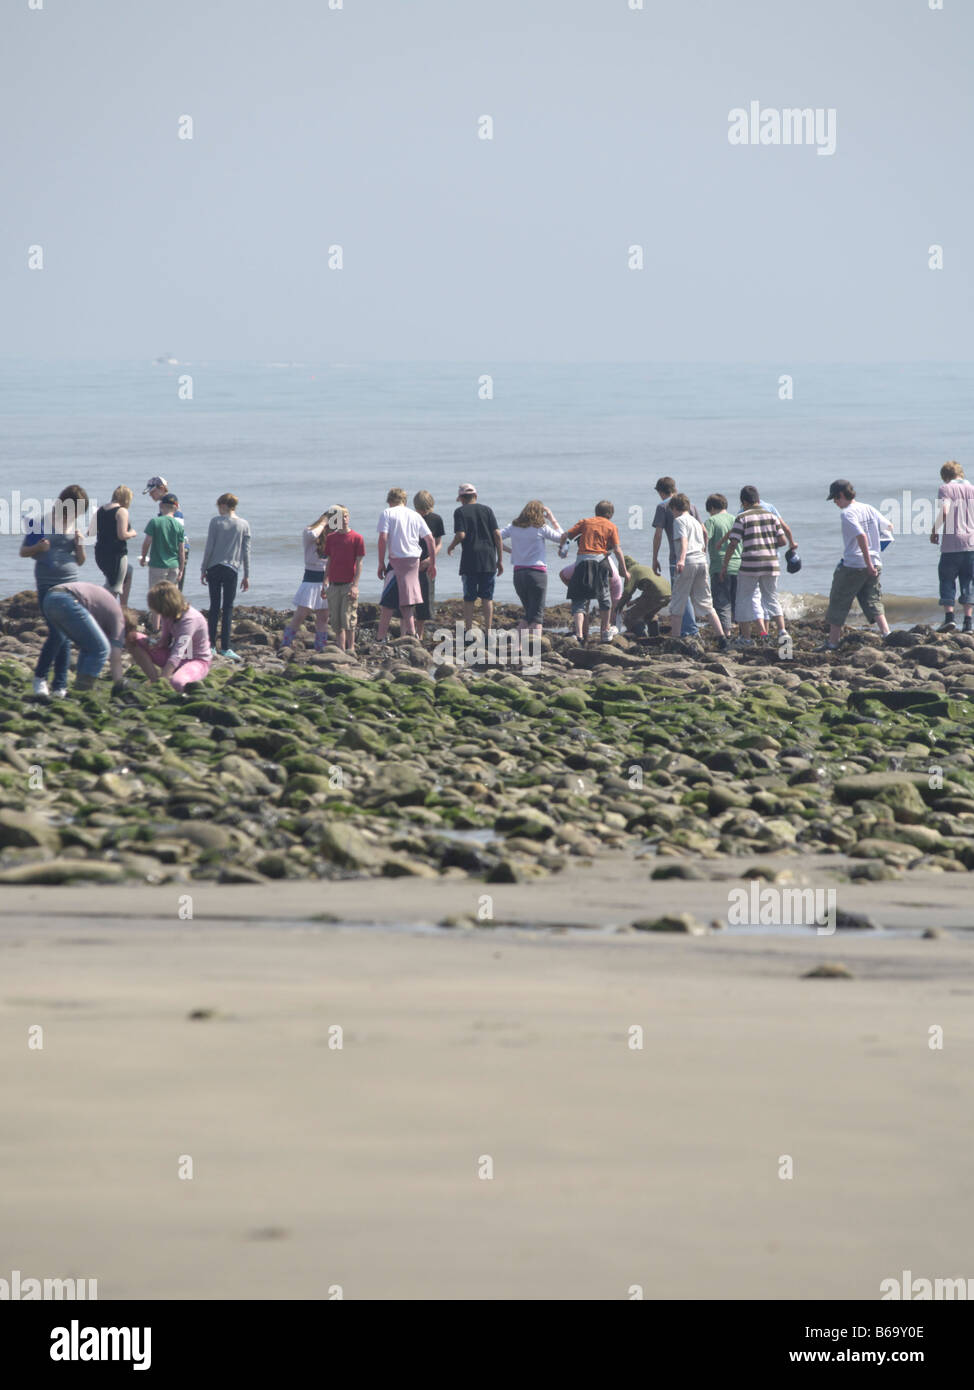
59,692
230,654
613,631
722,644
606,636
287,637
827,647
40,687
948,625
743,641
968,625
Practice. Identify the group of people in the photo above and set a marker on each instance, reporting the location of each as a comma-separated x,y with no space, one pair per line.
724,569
96,618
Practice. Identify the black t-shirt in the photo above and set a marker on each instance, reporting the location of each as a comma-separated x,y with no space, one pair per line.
478,552
437,530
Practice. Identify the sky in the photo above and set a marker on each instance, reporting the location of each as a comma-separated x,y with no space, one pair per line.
359,127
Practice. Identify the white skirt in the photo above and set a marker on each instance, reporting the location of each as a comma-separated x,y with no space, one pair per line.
309,596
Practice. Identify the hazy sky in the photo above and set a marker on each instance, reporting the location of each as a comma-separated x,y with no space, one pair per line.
359,127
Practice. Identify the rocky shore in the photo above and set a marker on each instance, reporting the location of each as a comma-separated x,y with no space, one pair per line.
296,764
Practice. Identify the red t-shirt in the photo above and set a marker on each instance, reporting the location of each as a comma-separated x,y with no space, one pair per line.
342,548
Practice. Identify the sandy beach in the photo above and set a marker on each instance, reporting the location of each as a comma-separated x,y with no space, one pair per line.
614,1166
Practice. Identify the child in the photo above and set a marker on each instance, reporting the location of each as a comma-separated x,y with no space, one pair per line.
343,550
91,617
226,552
182,653
724,590
165,535
527,535
691,580
113,532
311,596
592,577
57,558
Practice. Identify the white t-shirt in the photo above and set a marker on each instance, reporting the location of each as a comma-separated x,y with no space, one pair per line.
859,519
527,544
689,526
404,527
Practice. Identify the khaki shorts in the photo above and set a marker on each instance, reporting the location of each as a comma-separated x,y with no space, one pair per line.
342,608
850,583
163,576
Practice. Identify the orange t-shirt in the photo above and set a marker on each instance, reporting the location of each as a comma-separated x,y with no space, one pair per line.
596,534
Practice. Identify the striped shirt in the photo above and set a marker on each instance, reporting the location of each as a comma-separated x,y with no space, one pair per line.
759,534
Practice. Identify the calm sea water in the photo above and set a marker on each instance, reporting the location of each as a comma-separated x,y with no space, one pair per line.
290,439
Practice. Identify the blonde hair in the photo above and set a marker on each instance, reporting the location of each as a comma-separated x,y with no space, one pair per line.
424,501
227,499
166,600
122,495
396,497
951,470
532,514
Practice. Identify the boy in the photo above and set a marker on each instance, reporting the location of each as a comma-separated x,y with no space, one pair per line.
343,550
717,528
476,532
760,534
857,574
663,523
955,514
597,540
156,488
164,547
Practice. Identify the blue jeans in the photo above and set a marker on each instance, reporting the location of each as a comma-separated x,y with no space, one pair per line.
71,618
56,649
688,628
724,593
956,567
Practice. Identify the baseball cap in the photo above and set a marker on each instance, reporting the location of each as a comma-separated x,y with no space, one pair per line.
170,499
466,490
153,483
841,485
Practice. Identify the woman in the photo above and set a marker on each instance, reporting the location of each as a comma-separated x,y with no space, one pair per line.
226,552
58,557
309,597
92,618
400,531
527,534
180,651
113,531
691,576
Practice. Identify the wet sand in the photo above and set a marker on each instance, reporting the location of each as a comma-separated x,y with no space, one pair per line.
613,1166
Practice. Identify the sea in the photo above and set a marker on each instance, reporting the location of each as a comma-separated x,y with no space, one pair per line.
292,438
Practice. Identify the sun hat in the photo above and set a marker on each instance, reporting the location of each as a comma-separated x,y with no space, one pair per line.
466,490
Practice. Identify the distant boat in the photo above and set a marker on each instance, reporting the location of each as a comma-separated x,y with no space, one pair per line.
166,362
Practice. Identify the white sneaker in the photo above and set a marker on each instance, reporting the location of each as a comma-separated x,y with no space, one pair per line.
613,631
40,686
59,692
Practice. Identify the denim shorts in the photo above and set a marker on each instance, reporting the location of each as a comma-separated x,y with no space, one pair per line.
479,585
956,567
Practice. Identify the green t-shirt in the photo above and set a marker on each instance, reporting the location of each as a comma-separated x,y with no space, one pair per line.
641,577
167,536
717,527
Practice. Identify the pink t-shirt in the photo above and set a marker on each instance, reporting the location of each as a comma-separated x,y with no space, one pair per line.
187,639
958,532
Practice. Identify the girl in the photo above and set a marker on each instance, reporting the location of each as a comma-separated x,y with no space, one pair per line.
113,531
309,597
57,557
401,531
528,533
227,550
180,651
691,576
425,612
